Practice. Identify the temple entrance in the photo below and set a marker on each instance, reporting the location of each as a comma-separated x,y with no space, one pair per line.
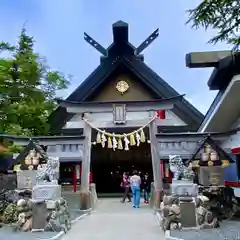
108,166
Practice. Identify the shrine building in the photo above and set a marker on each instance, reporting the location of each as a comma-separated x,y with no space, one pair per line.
223,115
124,116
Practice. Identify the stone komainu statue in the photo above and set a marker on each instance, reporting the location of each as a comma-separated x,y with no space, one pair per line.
179,170
49,171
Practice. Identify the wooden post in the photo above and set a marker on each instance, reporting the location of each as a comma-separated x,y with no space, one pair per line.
156,165
84,193
206,59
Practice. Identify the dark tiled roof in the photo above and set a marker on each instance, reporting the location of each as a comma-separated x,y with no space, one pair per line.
208,140
123,54
31,145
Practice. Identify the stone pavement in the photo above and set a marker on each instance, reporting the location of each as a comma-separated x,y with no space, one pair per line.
114,220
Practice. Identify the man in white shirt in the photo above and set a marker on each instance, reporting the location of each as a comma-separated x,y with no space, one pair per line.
135,183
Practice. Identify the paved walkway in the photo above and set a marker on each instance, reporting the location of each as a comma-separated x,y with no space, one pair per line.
114,220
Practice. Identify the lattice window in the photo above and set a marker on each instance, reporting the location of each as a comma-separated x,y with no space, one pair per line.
119,113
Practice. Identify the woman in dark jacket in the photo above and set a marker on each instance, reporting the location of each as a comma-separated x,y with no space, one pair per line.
146,183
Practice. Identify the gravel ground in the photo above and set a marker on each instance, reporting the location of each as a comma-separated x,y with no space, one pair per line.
7,232
229,230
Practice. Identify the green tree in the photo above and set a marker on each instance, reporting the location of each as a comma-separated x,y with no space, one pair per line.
220,15
28,89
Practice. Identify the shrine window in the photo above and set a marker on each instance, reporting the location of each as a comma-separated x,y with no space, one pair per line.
119,113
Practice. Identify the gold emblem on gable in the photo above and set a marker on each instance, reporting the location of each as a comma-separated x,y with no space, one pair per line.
122,86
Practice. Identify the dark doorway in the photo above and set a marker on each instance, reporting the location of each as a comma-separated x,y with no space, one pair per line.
108,166
66,173
238,166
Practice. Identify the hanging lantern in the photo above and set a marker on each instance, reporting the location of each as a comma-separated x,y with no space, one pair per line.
161,114
132,140
28,160
213,156
204,156
207,148
35,161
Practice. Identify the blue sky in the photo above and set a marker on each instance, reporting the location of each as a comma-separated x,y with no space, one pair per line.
58,26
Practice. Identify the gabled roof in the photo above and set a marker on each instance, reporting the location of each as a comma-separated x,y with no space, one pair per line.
221,153
31,146
226,69
123,53
224,110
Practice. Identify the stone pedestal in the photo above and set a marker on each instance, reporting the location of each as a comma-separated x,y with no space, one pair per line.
85,200
188,213
26,179
39,216
46,192
186,191
211,176
184,188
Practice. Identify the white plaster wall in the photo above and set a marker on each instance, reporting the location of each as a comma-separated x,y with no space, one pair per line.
176,120
66,150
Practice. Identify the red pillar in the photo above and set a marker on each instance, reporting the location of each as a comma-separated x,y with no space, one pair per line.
90,177
162,168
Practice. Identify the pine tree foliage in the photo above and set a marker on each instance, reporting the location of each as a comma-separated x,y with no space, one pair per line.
220,15
28,89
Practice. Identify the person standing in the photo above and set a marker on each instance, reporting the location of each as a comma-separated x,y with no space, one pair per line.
126,185
146,183
135,183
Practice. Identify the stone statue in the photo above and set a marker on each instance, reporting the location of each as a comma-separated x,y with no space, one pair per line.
179,170
48,172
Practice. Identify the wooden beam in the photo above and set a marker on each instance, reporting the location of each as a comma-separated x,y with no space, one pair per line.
206,59
109,108
129,123
147,42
